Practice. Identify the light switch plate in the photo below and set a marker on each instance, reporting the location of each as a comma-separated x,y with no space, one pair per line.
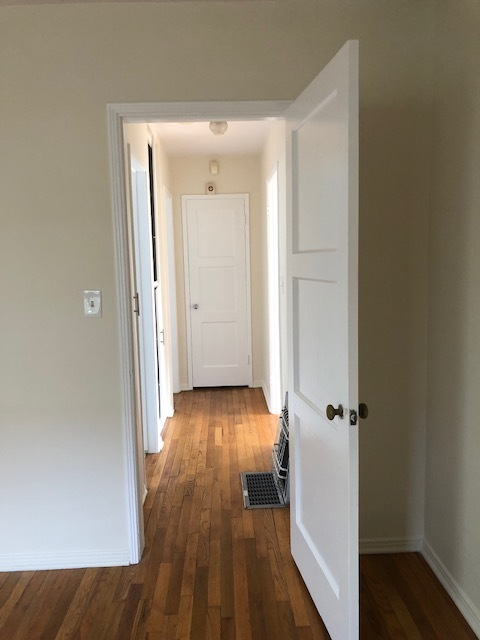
92,304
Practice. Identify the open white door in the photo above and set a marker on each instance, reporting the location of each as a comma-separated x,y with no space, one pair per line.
146,307
322,147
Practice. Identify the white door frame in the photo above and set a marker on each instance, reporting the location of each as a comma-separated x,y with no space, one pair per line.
117,115
186,273
274,383
172,290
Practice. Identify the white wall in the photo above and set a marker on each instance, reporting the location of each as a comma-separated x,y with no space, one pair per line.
452,527
237,174
62,469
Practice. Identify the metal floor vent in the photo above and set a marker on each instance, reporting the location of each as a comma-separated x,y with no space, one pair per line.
260,490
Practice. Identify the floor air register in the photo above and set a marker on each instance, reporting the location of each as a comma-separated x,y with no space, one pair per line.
267,489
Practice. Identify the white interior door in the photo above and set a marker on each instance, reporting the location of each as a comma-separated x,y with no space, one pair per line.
146,306
217,290
165,408
322,141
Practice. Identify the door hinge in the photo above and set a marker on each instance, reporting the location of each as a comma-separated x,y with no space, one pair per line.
136,306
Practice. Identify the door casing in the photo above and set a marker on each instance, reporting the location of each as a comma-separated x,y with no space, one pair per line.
119,114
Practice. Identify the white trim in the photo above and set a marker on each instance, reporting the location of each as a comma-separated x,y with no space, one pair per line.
172,290
265,389
191,111
125,329
272,186
469,611
266,395
187,297
117,115
248,278
257,383
390,545
67,560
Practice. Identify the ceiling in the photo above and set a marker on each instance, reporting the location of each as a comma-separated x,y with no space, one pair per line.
195,138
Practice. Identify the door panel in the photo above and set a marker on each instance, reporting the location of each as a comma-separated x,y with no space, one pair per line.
322,148
146,302
217,289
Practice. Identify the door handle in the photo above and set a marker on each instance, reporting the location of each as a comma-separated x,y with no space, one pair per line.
362,411
332,412
194,306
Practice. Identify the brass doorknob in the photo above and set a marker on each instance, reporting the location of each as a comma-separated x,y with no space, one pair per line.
362,411
332,412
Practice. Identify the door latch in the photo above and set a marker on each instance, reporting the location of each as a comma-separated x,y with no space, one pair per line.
362,413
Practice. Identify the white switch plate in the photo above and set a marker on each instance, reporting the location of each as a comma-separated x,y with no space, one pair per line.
92,304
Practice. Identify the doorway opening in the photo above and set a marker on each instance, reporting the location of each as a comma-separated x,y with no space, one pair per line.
120,115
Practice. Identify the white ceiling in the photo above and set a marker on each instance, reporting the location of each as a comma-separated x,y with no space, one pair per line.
195,138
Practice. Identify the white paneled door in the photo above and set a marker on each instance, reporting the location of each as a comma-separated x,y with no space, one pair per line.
217,285
322,143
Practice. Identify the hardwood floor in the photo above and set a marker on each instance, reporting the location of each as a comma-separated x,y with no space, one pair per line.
212,569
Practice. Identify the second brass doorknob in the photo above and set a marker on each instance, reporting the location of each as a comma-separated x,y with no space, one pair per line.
332,412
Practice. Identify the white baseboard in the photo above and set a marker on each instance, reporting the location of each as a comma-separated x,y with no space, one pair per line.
266,395
469,611
67,560
390,545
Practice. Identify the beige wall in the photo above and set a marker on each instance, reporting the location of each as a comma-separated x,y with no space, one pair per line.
453,442
59,373
237,174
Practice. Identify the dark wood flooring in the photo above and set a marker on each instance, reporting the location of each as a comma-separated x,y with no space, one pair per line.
211,569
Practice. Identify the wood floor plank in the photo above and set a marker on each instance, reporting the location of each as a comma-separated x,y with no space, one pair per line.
92,622
212,569
200,604
13,596
60,601
184,619
226,568
78,605
157,611
33,624
255,591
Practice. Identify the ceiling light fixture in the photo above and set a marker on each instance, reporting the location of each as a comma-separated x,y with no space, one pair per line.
218,128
